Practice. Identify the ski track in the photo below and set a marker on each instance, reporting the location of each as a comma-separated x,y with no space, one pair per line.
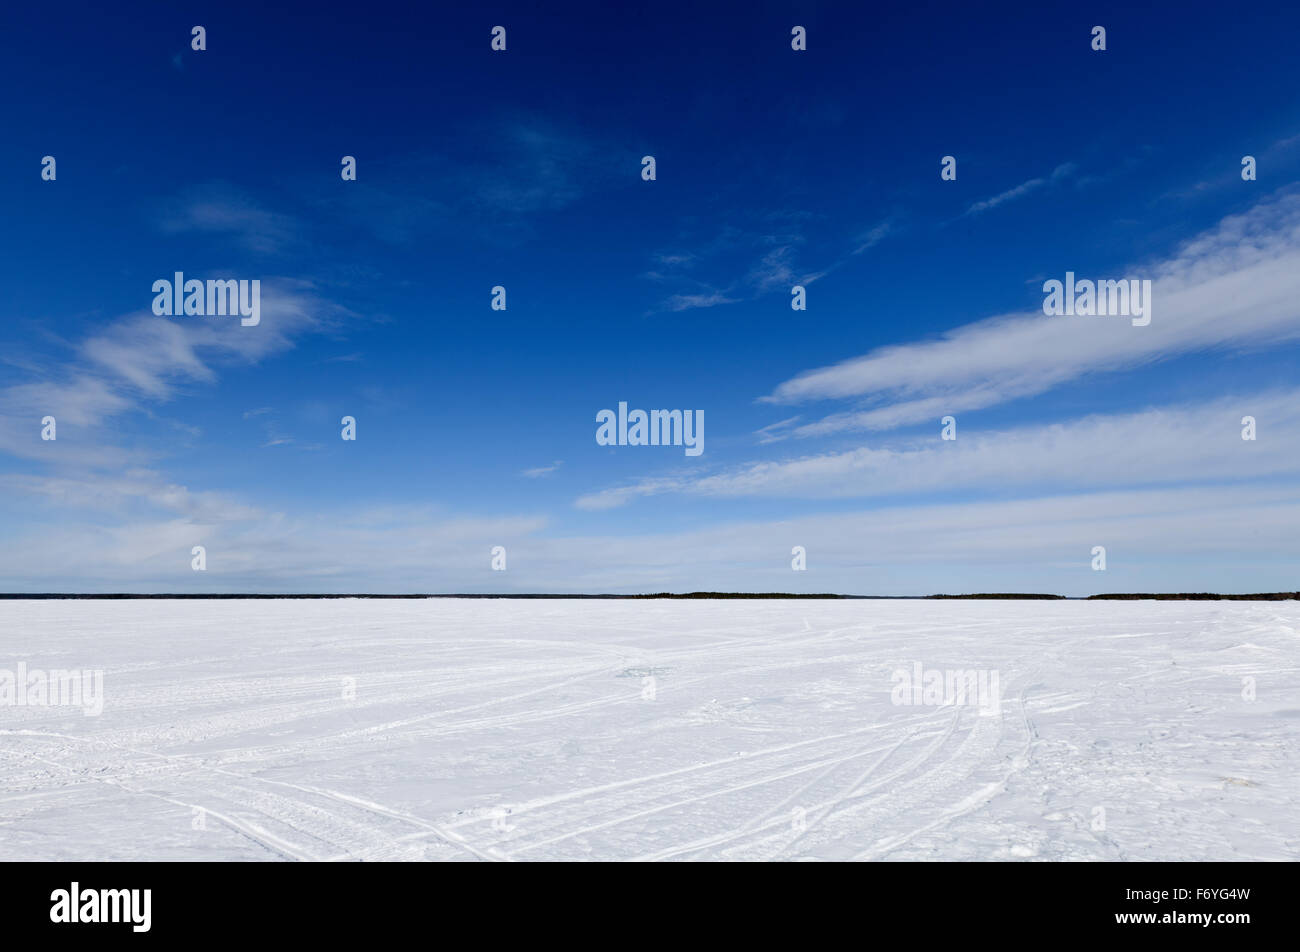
515,730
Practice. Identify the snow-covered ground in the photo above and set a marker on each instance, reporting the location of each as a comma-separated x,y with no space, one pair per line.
665,730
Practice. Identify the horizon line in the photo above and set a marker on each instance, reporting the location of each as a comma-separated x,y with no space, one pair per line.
1007,596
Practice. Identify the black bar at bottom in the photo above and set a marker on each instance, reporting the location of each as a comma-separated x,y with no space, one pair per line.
944,901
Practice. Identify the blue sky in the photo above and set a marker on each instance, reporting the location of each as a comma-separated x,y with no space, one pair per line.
522,169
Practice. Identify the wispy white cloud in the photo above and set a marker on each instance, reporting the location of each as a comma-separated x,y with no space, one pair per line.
872,237
140,361
121,494
685,302
775,432
775,269
1238,538
538,471
248,547
1237,285
224,210
777,265
1173,445
1061,172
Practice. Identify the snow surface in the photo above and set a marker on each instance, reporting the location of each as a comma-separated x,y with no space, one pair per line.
528,730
